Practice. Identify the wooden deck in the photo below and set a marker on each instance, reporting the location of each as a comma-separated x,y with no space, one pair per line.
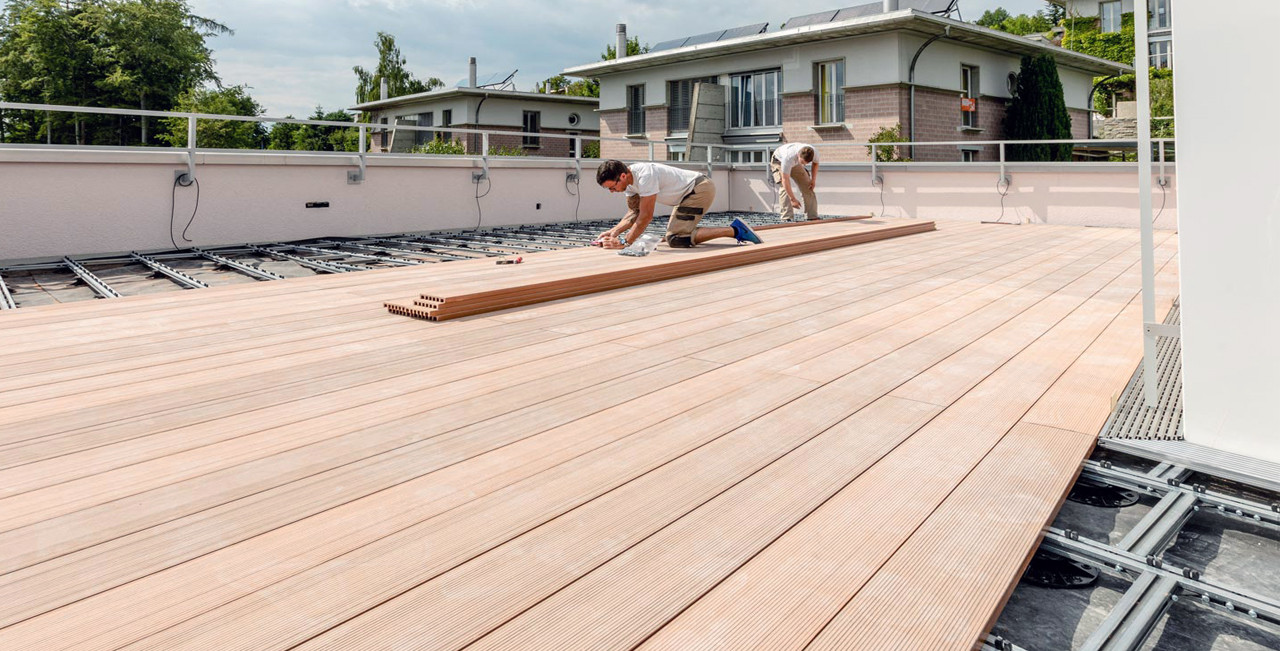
849,449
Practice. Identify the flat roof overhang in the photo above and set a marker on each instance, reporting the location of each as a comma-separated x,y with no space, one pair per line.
907,20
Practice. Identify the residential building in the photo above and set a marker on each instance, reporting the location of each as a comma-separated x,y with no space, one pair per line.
1110,18
491,106
830,78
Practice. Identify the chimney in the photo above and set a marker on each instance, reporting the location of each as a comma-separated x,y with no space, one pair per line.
621,47
890,5
382,89
471,72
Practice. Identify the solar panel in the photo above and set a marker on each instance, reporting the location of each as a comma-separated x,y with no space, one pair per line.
711,37
859,11
669,45
749,30
938,7
810,19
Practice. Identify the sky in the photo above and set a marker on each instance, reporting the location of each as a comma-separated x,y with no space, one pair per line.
297,55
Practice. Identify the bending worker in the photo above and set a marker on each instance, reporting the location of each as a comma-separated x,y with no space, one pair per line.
647,184
787,165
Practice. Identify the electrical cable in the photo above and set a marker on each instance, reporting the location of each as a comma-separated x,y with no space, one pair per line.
1164,195
479,212
578,193
173,206
881,184
1003,193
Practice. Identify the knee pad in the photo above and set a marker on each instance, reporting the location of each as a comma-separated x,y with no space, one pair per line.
679,241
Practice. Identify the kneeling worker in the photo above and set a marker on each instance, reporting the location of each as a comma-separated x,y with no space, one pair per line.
646,184
787,165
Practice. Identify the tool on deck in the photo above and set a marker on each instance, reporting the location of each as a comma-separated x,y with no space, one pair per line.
516,260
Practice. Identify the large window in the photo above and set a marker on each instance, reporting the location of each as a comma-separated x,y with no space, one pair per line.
1109,15
423,137
1159,14
830,92
680,102
1161,52
532,124
969,96
635,109
755,100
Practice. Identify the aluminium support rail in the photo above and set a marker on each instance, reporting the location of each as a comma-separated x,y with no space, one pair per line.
248,270
6,299
95,283
168,272
404,262
318,265
363,245
430,249
1136,614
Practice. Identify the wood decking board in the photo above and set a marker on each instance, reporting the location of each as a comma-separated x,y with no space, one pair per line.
707,462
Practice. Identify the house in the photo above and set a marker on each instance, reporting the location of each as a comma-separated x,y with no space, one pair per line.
829,78
490,104
1110,18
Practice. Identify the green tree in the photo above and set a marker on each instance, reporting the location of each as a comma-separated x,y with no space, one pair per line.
1038,112
314,137
281,135
633,48
441,146
111,53
993,18
888,154
390,67
216,134
1054,12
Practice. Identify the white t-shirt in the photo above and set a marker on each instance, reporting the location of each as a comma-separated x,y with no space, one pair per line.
788,155
671,184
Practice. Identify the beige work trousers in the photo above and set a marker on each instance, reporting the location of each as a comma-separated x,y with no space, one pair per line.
799,184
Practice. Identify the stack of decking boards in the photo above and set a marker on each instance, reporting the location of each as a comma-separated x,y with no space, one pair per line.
585,271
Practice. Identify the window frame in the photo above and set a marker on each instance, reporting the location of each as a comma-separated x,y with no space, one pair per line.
1160,18
833,99
531,142
1103,9
1157,59
635,110
969,88
764,81
427,119
679,112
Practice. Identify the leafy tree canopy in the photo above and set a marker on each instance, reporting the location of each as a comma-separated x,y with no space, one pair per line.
391,68
216,134
108,53
562,85
1022,24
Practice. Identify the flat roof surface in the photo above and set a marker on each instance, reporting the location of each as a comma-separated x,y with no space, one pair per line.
851,449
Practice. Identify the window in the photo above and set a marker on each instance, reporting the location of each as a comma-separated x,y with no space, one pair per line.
755,100
675,155
423,137
739,156
573,144
532,121
829,88
969,97
968,155
680,102
635,109
1161,54
1109,15
1159,14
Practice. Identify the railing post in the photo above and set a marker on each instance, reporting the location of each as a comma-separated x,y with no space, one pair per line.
875,178
1004,178
651,151
191,148
354,177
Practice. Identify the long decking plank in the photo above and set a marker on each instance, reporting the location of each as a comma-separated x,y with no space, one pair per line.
815,576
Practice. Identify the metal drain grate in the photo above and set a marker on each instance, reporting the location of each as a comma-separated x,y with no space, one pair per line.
1132,418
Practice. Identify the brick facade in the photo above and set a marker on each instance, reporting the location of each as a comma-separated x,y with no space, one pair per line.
549,147
613,124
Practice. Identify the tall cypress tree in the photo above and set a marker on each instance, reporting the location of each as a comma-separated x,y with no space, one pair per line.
1038,112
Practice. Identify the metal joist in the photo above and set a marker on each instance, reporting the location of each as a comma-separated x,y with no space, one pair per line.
393,250
430,249
95,283
1161,484
6,299
1071,545
361,256
1160,525
430,243
318,265
248,270
999,643
168,272
506,243
1132,619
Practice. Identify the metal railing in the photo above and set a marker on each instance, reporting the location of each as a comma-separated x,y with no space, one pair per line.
716,154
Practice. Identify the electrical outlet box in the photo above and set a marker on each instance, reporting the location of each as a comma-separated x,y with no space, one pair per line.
354,177
477,177
182,177
571,178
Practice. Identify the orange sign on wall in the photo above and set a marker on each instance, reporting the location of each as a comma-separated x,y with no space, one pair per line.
968,104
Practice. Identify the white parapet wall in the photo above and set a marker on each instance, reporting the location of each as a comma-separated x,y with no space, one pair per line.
1224,83
77,202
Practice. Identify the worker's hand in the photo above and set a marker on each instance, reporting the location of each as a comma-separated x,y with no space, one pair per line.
813,183
610,242
795,203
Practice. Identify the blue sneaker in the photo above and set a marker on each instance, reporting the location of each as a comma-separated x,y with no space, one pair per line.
743,233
